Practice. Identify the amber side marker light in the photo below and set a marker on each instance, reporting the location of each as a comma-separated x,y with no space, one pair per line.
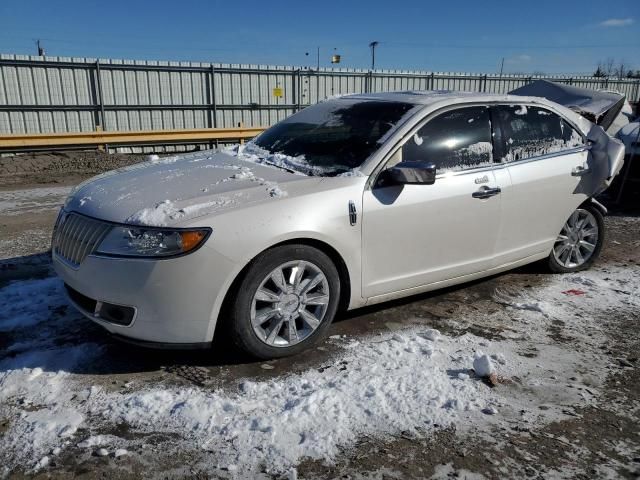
191,240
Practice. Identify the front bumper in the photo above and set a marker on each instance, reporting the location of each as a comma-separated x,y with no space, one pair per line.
173,298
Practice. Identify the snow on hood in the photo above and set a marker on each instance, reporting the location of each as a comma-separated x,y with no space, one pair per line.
166,191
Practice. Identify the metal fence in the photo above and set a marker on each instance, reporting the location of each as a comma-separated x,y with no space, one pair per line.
62,94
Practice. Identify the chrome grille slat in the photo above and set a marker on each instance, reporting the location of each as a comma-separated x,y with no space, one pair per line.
80,237
64,240
77,237
93,233
70,237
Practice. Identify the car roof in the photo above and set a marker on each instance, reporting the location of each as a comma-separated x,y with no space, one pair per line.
438,98
427,97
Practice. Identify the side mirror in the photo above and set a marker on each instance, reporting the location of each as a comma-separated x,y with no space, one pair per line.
416,173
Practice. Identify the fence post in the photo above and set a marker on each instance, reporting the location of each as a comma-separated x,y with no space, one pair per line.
97,87
213,109
100,99
299,89
293,88
484,83
433,81
636,96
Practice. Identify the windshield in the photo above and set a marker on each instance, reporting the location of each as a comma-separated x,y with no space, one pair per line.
335,136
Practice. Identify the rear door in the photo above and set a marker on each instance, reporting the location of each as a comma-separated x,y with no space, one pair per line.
545,158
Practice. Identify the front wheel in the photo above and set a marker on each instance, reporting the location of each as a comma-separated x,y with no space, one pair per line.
285,301
579,242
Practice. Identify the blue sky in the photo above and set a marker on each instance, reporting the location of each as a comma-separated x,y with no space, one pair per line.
561,36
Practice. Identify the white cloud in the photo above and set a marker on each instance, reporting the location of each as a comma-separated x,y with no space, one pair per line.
522,58
617,22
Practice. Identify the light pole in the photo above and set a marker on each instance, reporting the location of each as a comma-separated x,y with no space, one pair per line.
373,46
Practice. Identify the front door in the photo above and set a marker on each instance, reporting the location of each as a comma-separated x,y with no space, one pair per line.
414,235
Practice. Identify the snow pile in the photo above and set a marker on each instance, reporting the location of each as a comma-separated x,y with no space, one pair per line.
482,364
397,383
274,190
250,152
352,173
35,384
164,212
159,215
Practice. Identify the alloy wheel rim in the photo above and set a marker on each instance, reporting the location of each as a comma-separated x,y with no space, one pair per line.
577,240
290,303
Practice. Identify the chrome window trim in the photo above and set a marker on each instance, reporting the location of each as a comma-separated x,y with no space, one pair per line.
396,142
399,142
559,153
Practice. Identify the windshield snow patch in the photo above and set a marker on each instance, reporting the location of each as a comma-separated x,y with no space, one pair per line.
250,152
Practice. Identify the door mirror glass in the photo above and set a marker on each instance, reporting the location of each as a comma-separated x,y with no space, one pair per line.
406,173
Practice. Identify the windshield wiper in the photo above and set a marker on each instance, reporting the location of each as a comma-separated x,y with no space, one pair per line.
290,170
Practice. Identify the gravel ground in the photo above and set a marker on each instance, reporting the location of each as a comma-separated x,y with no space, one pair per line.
567,404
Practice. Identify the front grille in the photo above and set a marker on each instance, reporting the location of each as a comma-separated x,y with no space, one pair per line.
77,236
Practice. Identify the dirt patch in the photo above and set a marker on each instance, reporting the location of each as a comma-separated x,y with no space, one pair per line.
62,168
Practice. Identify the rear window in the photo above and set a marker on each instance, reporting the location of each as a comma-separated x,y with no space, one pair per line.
533,131
335,136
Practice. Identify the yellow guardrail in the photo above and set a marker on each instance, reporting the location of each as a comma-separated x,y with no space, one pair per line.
40,140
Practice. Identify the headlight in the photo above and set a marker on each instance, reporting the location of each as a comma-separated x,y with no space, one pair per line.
151,242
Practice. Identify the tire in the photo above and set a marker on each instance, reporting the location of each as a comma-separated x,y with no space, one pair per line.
574,236
268,304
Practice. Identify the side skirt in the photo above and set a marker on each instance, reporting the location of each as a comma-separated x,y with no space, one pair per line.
454,281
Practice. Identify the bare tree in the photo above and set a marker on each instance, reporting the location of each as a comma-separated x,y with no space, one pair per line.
609,67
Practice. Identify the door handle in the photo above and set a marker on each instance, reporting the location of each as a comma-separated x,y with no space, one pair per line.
580,171
486,192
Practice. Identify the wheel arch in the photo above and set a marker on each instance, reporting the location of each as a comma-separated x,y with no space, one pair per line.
595,203
324,247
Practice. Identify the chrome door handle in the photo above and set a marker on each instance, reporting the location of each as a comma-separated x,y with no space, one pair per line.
486,192
580,171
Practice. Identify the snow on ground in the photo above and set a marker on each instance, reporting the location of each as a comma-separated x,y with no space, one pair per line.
413,380
32,200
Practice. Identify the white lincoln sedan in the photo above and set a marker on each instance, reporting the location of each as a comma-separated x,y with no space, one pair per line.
350,202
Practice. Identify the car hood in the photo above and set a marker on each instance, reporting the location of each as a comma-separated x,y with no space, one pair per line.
176,189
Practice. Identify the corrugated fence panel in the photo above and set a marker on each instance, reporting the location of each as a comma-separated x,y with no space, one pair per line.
61,94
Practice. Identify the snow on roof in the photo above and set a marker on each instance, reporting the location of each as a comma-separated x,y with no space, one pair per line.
428,97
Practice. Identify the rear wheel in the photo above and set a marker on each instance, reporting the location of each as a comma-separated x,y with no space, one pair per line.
579,242
285,302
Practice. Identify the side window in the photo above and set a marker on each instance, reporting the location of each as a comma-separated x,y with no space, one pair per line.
454,140
533,131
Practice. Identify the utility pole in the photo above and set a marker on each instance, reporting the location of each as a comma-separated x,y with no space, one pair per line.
40,48
501,66
373,46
